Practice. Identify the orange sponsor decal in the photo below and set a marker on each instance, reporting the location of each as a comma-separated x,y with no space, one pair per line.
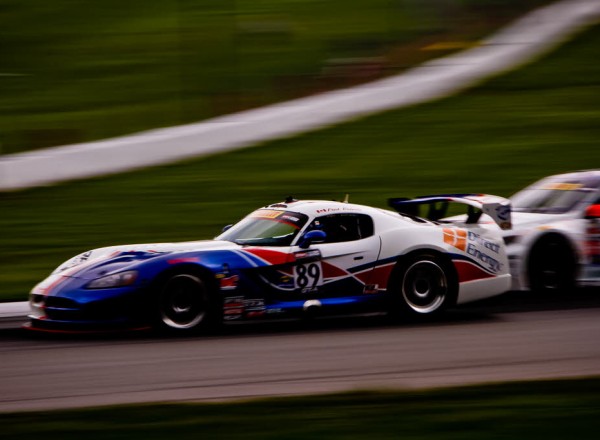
456,237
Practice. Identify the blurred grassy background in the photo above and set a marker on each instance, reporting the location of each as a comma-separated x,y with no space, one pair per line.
495,138
73,72
524,410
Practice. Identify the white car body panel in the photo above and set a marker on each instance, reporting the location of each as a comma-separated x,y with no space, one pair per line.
572,226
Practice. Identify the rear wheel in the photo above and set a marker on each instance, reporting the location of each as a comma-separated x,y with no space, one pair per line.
185,303
424,285
552,266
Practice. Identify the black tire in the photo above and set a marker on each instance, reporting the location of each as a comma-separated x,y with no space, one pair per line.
185,303
423,285
552,266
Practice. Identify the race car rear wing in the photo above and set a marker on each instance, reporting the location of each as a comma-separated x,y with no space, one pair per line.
498,208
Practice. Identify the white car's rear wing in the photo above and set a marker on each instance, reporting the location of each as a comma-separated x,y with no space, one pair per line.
498,208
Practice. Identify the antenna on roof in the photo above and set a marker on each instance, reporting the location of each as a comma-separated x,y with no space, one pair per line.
346,198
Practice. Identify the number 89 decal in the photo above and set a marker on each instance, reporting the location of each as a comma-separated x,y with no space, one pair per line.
307,277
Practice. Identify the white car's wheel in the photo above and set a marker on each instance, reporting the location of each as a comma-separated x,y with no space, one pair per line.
551,266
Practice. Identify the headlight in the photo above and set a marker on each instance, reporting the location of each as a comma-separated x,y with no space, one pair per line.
115,280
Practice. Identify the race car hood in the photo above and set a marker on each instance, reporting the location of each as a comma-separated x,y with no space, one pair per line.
126,254
522,220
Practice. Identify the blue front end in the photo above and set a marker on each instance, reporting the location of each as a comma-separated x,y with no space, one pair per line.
74,300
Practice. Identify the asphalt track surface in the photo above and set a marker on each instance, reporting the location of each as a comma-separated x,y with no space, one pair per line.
513,337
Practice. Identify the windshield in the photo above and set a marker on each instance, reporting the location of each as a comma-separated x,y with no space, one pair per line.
551,198
266,227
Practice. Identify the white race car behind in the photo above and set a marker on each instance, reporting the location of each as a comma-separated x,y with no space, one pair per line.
555,241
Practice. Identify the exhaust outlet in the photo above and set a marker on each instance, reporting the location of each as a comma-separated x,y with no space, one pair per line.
312,307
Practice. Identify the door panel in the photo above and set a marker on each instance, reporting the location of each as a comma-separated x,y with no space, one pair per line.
343,269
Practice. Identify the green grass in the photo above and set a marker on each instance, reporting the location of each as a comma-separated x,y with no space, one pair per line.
71,72
494,138
527,410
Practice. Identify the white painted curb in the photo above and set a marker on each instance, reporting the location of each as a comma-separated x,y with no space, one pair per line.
14,310
528,37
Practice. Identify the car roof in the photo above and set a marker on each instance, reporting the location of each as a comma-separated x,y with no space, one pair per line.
314,208
587,178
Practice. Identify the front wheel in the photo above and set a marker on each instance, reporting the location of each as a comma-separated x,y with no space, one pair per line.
423,286
185,304
551,266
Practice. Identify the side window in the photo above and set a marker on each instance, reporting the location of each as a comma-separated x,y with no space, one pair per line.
344,227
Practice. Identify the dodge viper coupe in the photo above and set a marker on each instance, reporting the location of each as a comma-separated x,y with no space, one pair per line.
555,241
284,260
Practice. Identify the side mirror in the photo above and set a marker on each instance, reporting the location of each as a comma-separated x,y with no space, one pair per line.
592,212
226,228
314,236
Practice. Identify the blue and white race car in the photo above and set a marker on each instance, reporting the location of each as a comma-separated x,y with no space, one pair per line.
287,259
